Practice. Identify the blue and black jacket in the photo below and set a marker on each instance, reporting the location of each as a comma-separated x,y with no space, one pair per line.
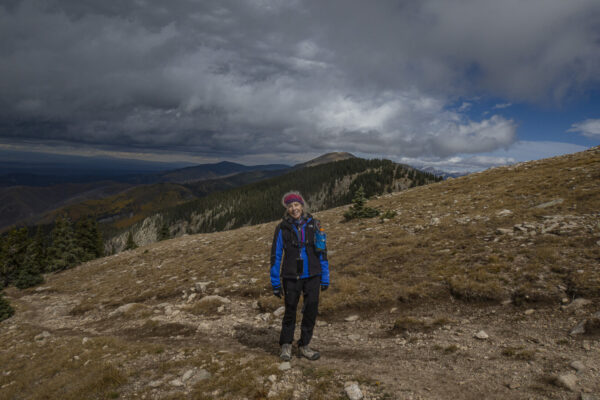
294,242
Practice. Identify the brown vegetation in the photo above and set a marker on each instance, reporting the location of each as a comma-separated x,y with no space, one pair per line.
451,246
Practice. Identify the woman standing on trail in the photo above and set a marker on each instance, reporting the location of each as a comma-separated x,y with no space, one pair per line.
305,269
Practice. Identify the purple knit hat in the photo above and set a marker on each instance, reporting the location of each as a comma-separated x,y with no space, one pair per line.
289,198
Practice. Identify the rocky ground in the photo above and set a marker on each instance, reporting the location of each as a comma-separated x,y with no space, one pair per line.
451,351
485,286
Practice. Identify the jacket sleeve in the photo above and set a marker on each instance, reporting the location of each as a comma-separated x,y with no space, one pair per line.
324,269
276,254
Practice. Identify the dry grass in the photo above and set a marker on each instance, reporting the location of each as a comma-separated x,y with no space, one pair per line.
159,329
443,242
206,308
269,303
47,371
237,377
235,381
518,353
412,324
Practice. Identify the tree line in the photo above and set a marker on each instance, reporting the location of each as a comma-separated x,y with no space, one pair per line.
260,202
24,258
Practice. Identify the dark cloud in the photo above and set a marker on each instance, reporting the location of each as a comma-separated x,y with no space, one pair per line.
263,76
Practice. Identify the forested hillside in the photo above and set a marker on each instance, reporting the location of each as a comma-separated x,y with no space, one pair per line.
324,186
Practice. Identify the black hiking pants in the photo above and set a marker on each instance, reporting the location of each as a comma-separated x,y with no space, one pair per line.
292,289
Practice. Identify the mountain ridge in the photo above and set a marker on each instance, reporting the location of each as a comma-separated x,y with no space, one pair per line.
323,185
325,158
28,204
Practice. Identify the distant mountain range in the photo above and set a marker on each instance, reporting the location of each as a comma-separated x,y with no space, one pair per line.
32,198
41,169
180,175
443,174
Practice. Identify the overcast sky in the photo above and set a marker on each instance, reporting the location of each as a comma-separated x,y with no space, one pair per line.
464,84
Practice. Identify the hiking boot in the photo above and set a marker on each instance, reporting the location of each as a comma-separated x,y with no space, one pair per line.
305,351
286,352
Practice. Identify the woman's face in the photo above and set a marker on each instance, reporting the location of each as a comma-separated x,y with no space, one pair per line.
295,210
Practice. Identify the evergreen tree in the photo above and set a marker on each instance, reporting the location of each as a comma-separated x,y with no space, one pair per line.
14,250
6,311
34,263
64,252
163,232
358,208
89,239
30,274
130,244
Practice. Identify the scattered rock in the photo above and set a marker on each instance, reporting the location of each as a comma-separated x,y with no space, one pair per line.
155,384
200,375
123,309
567,381
588,396
579,329
481,335
513,385
207,299
352,318
202,286
529,312
191,297
504,231
586,345
42,336
279,312
272,378
85,340
353,391
551,228
590,325
188,374
504,213
263,316
520,227
176,383
578,366
354,337
578,303
321,323
284,366
550,203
